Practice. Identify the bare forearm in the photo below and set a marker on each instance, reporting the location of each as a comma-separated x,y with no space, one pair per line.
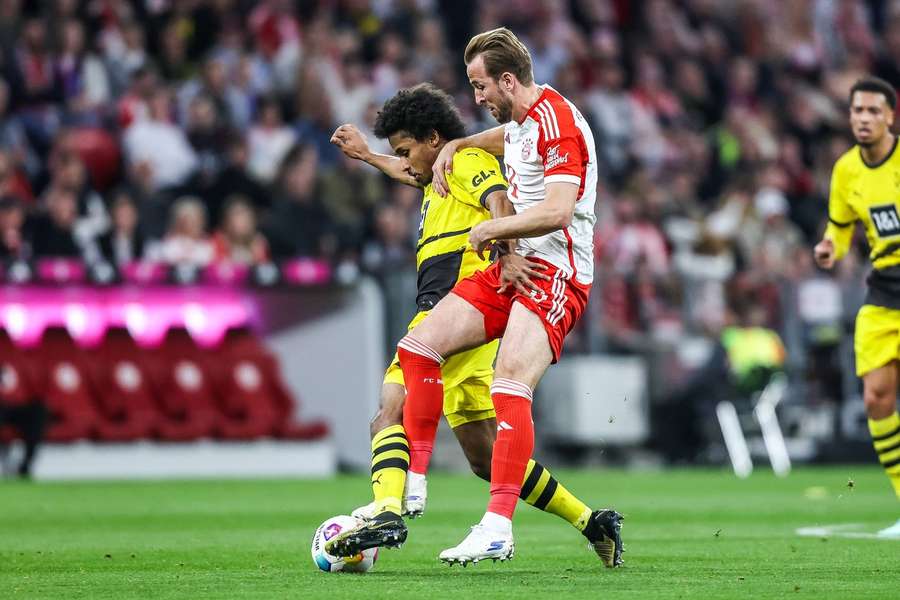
390,166
490,140
500,206
534,222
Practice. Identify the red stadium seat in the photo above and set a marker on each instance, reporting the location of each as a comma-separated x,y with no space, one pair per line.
125,398
186,394
63,380
255,381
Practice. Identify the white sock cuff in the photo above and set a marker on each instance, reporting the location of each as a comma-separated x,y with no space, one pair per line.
416,347
511,387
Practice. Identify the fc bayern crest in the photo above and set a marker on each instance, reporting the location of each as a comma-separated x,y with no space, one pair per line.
526,148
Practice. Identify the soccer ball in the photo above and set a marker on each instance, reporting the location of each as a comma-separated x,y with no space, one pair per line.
360,563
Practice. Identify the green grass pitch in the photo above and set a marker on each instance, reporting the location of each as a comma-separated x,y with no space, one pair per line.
688,534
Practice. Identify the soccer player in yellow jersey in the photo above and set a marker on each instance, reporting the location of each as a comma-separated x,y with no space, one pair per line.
418,122
865,187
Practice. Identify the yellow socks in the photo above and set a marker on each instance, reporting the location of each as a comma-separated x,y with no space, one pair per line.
541,490
390,461
886,437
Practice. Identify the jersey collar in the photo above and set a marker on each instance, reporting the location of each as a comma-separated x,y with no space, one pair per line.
883,160
530,111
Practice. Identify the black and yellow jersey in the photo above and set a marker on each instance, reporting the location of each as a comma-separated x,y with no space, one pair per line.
443,253
869,194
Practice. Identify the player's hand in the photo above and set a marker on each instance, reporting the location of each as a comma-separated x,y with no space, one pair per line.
480,238
824,254
443,164
351,141
518,272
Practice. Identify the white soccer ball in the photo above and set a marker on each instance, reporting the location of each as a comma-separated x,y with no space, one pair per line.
360,563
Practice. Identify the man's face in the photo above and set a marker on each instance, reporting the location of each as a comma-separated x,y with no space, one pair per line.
418,156
870,117
488,92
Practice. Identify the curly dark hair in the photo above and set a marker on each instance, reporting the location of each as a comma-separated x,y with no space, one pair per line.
418,111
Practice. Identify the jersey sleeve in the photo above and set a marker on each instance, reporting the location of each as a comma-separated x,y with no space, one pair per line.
476,174
841,216
563,153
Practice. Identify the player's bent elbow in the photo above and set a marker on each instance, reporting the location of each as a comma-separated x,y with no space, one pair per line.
562,219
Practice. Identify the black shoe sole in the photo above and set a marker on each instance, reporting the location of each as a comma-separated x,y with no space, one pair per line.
369,536
611,524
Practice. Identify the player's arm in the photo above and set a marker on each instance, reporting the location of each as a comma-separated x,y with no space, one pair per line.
553,214
841,220
490,140
516,271
351,141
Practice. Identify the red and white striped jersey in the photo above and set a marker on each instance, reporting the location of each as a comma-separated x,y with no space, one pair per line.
552,144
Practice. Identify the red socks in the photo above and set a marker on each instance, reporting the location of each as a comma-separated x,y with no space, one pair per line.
514,445
424,399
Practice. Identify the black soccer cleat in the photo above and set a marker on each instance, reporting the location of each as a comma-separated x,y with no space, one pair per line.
604,533
385,529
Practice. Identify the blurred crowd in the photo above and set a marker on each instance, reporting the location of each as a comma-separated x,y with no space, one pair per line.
194,131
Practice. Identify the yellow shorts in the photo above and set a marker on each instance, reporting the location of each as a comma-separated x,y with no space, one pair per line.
467,381
877,337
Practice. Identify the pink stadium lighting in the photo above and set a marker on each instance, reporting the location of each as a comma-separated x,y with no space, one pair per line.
25,324
86,323
148,313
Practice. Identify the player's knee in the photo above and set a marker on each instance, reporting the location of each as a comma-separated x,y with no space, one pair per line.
879,400
509,366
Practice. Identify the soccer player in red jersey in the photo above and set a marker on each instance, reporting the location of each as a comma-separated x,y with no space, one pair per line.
551,164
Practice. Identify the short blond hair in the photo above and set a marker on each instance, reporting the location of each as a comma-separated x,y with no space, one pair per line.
502,52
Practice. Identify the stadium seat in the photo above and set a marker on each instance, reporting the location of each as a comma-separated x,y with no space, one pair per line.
254,381
16,382
62,378
125,398
186,395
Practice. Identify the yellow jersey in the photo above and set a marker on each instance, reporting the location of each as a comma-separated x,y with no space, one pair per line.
869,194
443,253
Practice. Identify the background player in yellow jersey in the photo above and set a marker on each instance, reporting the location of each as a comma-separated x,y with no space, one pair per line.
418,122
865,187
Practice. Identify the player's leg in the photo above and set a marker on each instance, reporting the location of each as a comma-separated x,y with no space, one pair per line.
390,453
525,353
880,397
383,525
473,420
540,488
452,326
876,341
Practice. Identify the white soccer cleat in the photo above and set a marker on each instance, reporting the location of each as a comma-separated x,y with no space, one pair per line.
891,532
415,494
366,512
480,544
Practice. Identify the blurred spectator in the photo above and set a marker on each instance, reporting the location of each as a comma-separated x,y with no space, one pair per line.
207,134
12,182
12,221
13,137
238,239
187,243
158,147
124,243
268,140
298,224
235,178
85,85
53,229
70,174
34,82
